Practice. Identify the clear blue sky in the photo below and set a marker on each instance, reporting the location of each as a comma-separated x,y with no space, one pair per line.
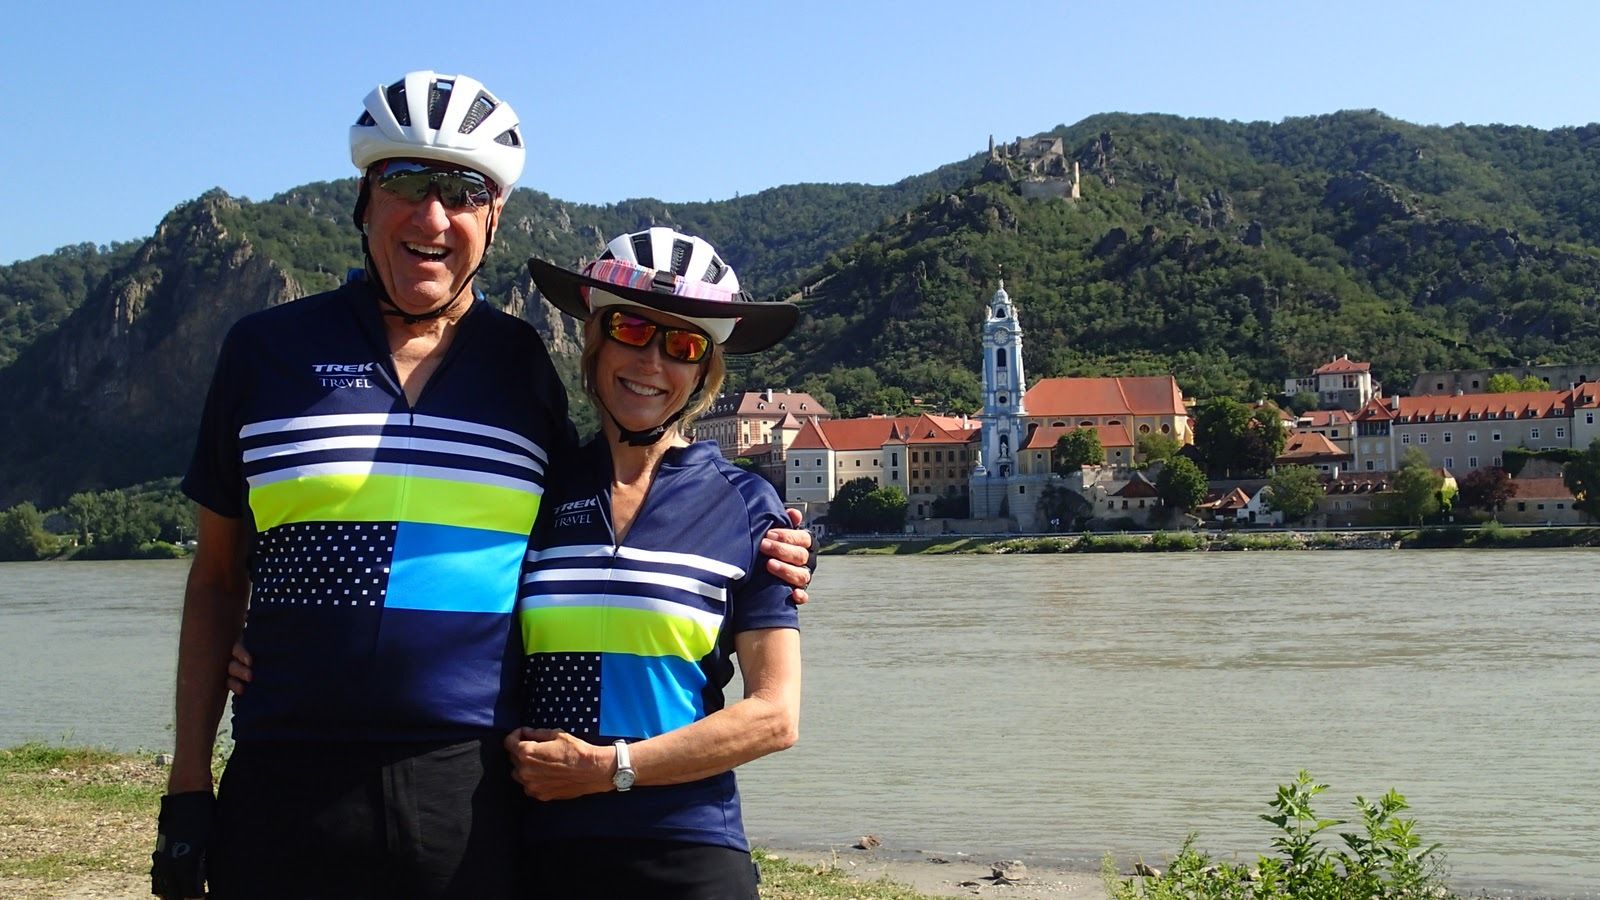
120,111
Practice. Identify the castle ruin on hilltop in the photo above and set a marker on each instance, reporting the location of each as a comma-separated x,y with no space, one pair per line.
1046,172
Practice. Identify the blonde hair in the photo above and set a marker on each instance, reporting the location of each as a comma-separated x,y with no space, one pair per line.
714,370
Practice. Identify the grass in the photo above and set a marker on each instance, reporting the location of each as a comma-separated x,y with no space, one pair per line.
79,817
68,813
783,879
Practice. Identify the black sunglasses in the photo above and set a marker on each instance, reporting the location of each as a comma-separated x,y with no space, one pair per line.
413,181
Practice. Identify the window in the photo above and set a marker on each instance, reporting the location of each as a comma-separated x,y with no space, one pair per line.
1522,506
938,456
1335,432
1588,418
1533,433
797,479
874,463
1369,465
1561,431
1449,462
858,463
1422,438
1405,438
894,459
1472,437
999,359
1447,436
1472,462
797,463
1495,461
1494,436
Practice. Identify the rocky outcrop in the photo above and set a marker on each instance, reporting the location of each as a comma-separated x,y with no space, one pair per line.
131,366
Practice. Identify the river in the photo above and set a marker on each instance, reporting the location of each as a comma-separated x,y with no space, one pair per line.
1057,707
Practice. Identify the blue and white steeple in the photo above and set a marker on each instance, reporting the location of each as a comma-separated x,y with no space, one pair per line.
1004,384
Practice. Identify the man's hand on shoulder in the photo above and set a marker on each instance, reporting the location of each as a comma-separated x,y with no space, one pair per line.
177,868
791,555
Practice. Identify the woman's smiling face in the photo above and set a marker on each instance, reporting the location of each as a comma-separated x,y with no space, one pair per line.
642,386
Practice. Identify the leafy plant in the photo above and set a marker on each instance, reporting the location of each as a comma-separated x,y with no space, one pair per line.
1384,860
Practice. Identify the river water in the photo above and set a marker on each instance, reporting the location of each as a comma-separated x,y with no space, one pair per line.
1058,707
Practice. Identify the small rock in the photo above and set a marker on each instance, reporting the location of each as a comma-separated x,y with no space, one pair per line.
939,860
869,842
1140,868
1009,872
163,759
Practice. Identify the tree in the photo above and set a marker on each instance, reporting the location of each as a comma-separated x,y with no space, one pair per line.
23,536
1416,488
883,510
1294,491
860,505
1063,508
1303,402
1077,448
1487,489
1181,484
952,506
1504,383
1155,446
1582,478
1232,437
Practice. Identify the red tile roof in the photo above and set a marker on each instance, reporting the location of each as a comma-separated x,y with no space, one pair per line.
1045,436
1323,418
841,435
1153,395
1309,447
755,403
1340,365
1511,405
1541,489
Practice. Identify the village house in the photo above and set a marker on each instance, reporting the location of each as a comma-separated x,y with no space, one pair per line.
1314,450
1337,425
740,422
1339,384
925,456
1471,431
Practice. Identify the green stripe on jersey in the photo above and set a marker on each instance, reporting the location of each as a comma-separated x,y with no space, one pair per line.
393,498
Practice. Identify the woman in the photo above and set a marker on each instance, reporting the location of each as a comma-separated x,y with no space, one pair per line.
630,620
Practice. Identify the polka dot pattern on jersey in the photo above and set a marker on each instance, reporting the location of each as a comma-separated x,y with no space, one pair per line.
562,691
328,564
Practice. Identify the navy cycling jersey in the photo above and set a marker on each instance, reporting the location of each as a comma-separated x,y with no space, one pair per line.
387,537
635,639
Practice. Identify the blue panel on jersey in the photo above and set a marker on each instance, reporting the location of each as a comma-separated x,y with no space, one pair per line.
643,696
451,569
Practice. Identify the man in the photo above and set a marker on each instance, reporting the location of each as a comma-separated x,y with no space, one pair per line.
369,465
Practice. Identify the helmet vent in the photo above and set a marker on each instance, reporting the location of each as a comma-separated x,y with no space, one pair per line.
715,270
366,119
396,95
438,99
680,257
643,253
480,110
509,138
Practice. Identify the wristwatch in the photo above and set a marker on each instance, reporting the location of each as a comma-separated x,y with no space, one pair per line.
622,780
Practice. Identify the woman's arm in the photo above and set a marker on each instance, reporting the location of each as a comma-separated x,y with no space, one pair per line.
554,765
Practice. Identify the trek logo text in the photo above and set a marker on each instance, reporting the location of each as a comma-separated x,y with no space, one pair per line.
577,512
345,375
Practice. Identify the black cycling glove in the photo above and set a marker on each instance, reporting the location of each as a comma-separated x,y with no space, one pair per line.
177,868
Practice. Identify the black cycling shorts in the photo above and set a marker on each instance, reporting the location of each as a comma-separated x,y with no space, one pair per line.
625,868
307,820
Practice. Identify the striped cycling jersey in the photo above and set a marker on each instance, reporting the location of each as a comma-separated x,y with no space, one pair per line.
635,639
387,537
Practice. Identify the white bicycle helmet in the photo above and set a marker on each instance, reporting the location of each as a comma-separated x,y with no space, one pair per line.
449,118
676,273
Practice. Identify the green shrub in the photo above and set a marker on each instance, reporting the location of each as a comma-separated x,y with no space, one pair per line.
1384,860
1237,541
1111,543
1176,540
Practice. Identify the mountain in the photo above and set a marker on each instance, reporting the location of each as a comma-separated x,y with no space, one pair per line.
111,349
1230,254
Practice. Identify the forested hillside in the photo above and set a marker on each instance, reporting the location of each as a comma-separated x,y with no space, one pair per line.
1230,254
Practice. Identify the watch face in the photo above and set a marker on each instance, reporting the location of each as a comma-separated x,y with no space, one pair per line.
623,779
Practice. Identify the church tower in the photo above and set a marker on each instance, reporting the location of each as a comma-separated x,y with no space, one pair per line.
1004,412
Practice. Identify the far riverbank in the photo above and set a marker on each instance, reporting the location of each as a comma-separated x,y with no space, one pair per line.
1491,535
